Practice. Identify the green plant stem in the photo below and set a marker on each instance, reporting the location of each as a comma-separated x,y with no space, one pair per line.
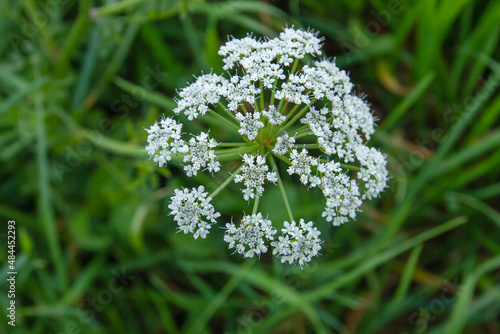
255,205
229,113
117,7
282,188
44,193
271,102
244,109
261,96
213,113
237,149
234,144
225,183
295,65
295,118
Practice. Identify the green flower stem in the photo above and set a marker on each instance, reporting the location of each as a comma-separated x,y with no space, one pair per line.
295,118
261,96
283,107
234,144
351,167
289,115
244,109
225,183
301,129
117,7
230,114
230,156
213,113
303,134
282,158
308,145
271,102
255,205
282,188
225,155
280,105
295,65
237,149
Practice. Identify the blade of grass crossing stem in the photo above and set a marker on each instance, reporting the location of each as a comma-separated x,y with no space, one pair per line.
114,65
113,146
475,172
465,155
250,23
383,257
33,12
21,94
44,193
75,36
83,282
194,41
469,114
478,205
83,83
486,121
486,192
157,99
152,38
405,281
114,8
461,308
165,315
408,101
478,66
219,299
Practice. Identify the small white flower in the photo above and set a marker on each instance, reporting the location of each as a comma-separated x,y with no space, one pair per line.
201,155
253,176
206,90
249,237
342,198
373,171
298,243
301,164
164,139
193,212
250,124
283,144
274,117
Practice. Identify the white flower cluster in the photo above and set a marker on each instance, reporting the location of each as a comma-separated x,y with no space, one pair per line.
251,233
164,139
341,192
192,211
373,171
200,154
196,97
283,144
342,129
298,243
274,117
301,164
250,124
313,121
253,176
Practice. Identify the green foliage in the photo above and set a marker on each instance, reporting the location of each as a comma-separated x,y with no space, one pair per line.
96,249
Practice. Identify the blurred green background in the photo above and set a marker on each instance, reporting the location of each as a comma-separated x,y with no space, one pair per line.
96,250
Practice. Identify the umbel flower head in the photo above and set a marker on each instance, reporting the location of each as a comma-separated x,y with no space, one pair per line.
303,113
